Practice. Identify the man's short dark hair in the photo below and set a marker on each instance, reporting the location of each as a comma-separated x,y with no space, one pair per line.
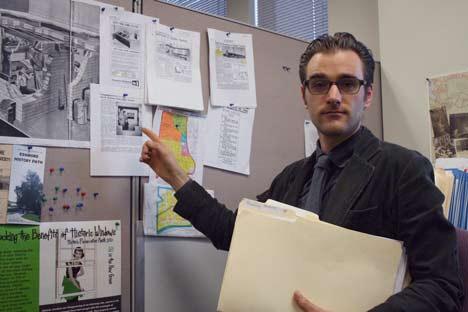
332,44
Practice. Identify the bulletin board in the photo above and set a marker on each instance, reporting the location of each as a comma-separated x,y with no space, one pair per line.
186,274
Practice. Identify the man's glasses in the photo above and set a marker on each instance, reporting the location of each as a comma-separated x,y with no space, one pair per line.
346,85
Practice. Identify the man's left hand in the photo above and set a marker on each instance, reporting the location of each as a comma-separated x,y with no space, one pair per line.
305,304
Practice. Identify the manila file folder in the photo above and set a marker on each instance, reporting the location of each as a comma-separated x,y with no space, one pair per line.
274,252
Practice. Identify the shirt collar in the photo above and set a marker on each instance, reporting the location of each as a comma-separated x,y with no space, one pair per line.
341,153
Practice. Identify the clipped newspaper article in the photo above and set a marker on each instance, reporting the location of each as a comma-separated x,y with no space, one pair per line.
173,63
123,49
116,132
232,74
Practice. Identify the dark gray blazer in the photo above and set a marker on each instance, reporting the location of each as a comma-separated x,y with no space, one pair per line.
383,190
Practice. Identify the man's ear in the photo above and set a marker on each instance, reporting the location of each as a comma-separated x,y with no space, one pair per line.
368,97
303,95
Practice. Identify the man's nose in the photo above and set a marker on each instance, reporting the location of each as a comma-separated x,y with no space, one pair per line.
334,95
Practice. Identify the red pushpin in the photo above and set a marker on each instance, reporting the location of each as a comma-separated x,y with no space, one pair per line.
83,194
66,207
51,170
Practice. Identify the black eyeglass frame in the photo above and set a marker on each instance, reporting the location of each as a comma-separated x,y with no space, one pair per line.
362,82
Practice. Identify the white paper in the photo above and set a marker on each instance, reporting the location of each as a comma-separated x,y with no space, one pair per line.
310,137
116,136
123,47
26,184
159,218
183,133
452,163
229,137
232,74
173,68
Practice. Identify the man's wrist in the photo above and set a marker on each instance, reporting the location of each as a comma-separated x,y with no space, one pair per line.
179,181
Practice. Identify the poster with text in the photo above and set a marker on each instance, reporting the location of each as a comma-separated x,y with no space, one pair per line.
5,168
25,192
61,266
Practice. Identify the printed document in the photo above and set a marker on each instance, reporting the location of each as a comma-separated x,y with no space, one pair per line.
25,193
6,152
116,136
173,67
229,133
122,55
232,74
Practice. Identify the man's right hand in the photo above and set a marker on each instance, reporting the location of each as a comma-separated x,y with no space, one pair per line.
163,162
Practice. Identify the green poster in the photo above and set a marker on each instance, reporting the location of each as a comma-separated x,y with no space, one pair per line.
19,268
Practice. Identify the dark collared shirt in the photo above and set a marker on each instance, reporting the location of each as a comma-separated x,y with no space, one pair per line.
338,157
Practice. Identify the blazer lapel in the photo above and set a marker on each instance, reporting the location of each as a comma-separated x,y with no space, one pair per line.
352,181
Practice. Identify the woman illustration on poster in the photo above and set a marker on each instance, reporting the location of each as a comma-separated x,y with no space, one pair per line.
74,269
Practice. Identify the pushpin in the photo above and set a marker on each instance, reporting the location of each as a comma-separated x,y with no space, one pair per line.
78,190
29,147
125,94
54,199
51,170
57,189
51,211
117,225
66,207
61,169
95,195
79,205
171,28
64,191
44,199
103,9
227,34
83,194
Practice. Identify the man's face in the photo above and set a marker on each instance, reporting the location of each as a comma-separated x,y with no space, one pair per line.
336,114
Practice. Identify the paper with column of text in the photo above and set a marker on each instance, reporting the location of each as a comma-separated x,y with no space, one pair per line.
173,67
232,74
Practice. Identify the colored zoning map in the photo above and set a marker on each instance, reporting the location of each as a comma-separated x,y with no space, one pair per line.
166,218
173,132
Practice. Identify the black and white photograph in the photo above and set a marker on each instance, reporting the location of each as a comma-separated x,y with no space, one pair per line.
231,50
443,147
461,145
128,121
439,120
125,35
459,125
48,60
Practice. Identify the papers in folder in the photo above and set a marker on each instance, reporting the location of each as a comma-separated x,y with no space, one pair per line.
277,249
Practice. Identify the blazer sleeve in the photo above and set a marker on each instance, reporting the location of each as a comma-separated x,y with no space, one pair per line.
430,242
206,214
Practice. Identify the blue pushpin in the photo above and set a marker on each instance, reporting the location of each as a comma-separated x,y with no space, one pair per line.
125,94
78,191
79,205
51,210
61,169
29,147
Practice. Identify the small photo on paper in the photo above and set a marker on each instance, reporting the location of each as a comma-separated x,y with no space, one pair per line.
459,125
128,121
444,147
461,145
230,50
126,37
179,53
439,120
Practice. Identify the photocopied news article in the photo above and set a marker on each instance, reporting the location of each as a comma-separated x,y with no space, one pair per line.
232,74
116,132
173,67
123,49
230,137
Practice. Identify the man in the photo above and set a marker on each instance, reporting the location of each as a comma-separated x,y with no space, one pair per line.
352,180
